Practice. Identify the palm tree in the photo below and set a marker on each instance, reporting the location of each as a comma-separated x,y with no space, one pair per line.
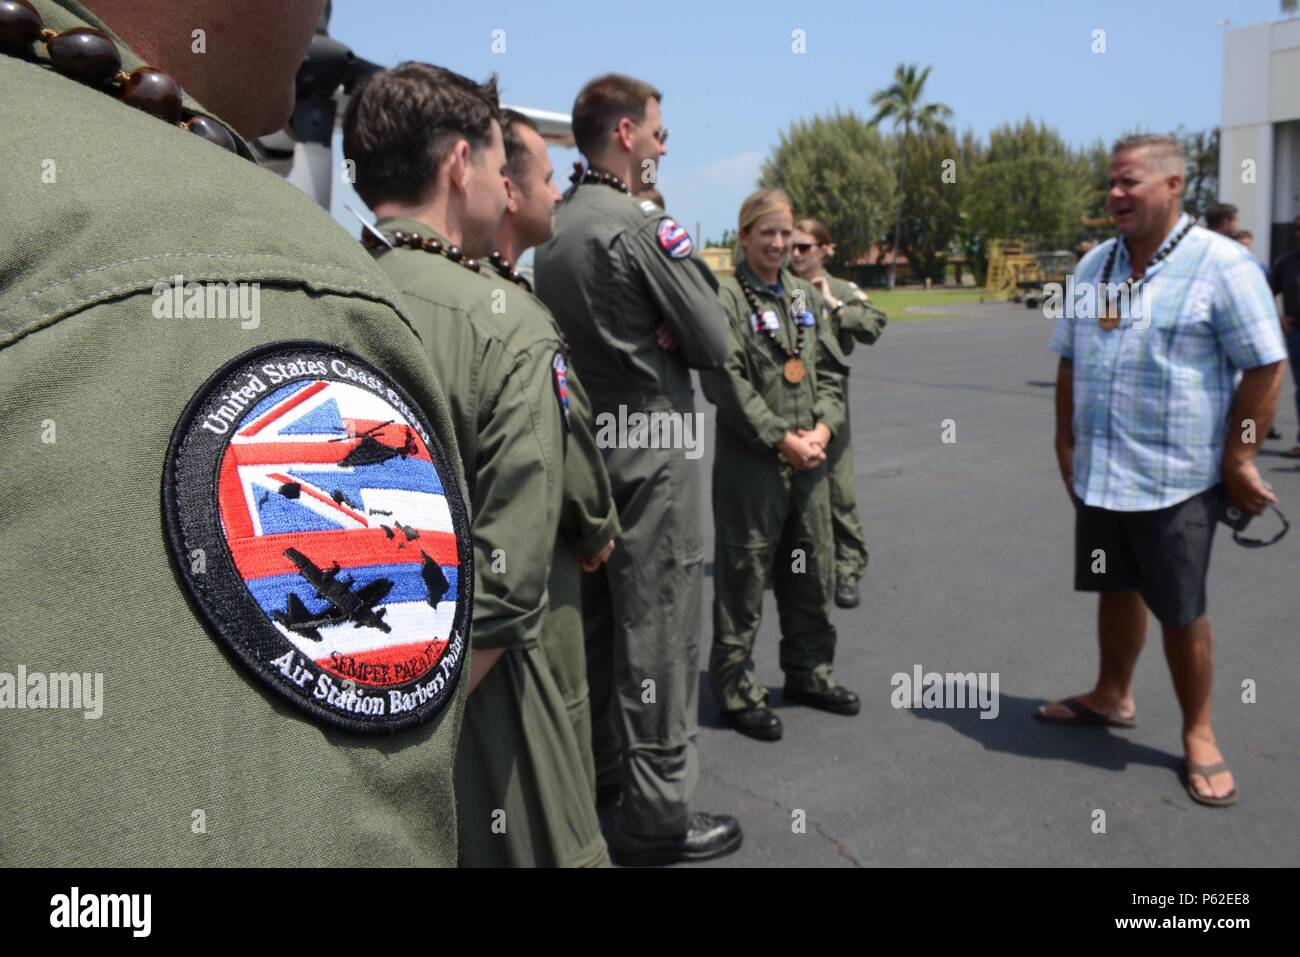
901,101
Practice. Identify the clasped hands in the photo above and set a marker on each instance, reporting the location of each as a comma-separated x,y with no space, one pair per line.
805,449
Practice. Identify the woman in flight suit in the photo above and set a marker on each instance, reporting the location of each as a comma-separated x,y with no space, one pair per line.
780,402
856,321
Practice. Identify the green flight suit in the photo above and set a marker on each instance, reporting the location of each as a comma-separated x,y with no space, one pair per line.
193,761
588,521
857,321
520,782
770,519
615,271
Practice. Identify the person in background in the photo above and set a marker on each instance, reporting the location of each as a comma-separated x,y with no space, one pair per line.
1152,441
588,517
1222,219
852,319
431,163
1284,280
1247,239
780,404
616,271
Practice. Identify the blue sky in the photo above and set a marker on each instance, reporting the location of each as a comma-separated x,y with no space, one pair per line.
731,82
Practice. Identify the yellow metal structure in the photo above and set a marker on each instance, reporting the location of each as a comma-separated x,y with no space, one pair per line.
1011,262
718,259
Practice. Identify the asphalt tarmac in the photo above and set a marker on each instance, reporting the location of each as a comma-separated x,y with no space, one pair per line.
971,571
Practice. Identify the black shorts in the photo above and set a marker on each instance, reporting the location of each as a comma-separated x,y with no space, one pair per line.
1164,554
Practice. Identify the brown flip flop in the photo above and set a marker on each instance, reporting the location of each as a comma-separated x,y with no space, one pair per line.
1207,771
1081,714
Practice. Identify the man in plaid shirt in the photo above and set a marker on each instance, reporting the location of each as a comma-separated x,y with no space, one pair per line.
1159,404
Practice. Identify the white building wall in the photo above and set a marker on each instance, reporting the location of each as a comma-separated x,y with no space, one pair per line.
1246,56
1261,98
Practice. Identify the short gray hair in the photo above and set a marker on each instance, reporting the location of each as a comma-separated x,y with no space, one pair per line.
1166,151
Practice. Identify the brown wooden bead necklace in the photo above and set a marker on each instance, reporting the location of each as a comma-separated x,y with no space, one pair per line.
508,271
794,368
415,241
1109,318
590,175
91,56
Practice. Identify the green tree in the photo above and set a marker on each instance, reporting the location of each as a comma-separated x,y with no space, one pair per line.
1202,148
973,154
901,102
729,240
932,209
1031,184
1096,158
834,169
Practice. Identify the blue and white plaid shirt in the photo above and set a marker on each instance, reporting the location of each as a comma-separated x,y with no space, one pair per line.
1152,398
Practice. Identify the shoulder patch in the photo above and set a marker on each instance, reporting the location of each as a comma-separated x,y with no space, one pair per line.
312,517
674,240
560,376
648,207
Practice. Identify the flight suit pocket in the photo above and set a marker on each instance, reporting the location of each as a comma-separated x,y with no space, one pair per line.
681,484
762,355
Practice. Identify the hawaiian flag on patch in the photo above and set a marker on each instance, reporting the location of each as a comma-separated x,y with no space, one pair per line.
338,524
560,371
673,238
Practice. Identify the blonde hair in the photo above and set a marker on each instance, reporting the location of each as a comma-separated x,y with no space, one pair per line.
759,204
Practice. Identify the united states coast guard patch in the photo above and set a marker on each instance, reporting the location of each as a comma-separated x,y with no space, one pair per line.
312,516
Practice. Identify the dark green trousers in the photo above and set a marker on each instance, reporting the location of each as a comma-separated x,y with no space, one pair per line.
769,520
850,541
642,614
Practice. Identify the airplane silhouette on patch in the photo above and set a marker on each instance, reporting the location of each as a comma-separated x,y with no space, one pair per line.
345,604
435,582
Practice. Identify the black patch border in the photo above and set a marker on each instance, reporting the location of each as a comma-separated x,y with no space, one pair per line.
220,598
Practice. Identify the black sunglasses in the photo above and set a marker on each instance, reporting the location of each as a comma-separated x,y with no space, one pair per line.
802,248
